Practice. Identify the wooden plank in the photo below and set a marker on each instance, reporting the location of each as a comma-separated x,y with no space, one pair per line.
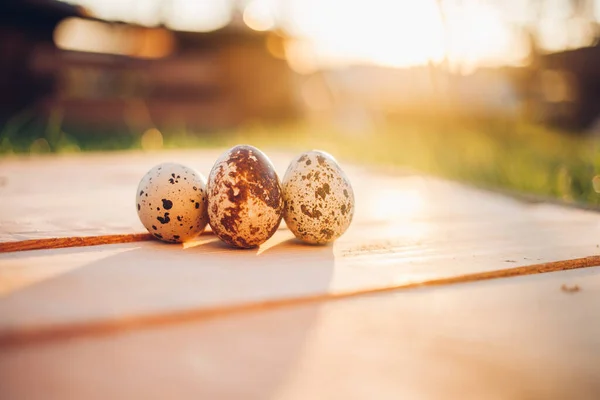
56,289
525,337
78,195
407,229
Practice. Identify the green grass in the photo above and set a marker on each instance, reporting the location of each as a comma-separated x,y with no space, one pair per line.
493,153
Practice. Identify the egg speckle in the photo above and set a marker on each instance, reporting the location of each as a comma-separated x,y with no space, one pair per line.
319,200
171,202
245,203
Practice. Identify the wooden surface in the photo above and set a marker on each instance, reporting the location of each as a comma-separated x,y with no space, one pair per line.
128,284
79,195
72,315
516,338
93,194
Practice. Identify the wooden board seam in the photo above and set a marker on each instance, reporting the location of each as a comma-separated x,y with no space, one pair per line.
26,336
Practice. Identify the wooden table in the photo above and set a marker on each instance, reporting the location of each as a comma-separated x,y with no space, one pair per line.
437,290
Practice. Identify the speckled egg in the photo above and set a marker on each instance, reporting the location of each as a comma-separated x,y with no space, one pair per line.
245,203
171,202
319,201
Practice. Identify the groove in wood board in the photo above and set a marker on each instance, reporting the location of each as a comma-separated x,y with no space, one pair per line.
64,287
53,333
75,241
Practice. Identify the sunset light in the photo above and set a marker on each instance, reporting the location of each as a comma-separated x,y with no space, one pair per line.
382,32
299,199
326,33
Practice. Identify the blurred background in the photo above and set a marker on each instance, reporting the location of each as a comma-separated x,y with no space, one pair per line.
503,94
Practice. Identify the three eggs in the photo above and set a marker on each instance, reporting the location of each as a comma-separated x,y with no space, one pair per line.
244,200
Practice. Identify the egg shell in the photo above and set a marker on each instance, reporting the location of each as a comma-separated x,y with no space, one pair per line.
319,200
172,202
245,203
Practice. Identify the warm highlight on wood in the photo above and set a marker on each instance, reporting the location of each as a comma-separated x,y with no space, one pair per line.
411,302
58,332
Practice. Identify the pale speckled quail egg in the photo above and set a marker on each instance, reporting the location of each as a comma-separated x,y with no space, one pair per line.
319,201
171,202
245,203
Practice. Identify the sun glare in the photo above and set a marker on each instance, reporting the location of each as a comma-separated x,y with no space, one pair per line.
394,204
401,33
476,36
392,33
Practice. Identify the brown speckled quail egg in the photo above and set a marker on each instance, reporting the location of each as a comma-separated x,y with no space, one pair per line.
245,203
171,202
319,201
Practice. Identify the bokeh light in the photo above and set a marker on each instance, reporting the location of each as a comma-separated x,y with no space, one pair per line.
258,15
152,139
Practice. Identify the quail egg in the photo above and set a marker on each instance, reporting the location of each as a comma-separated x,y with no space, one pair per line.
171,202
245,203
319,201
